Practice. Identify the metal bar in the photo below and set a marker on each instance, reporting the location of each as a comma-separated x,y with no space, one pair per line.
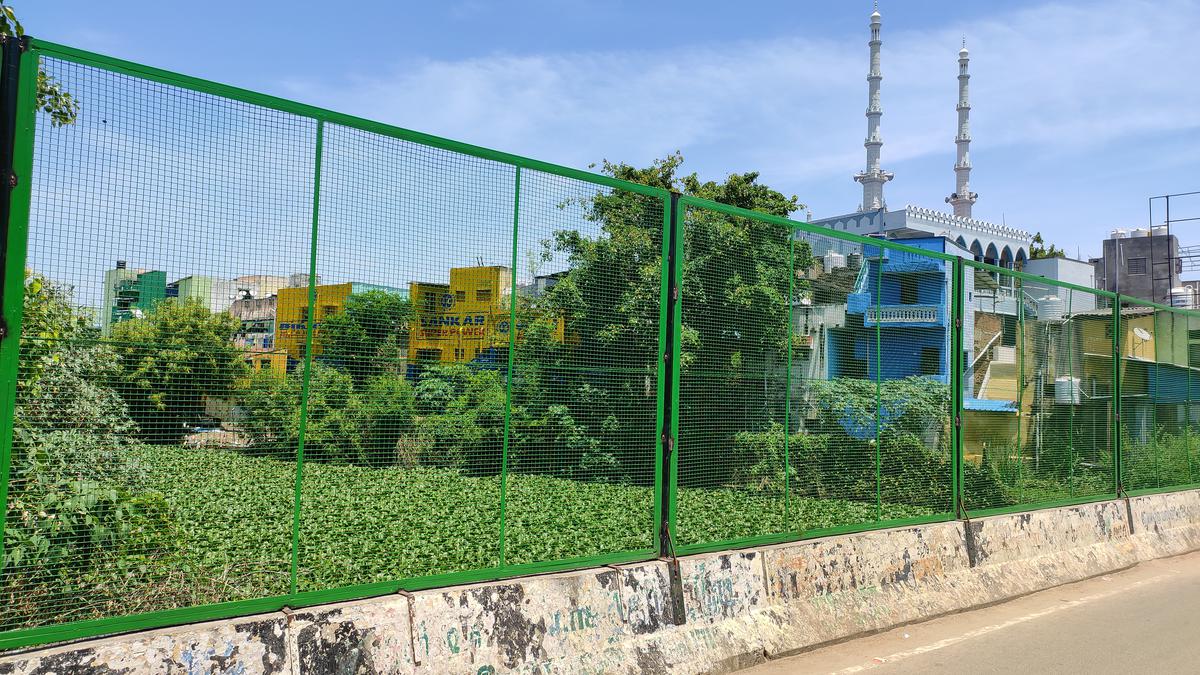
1187,423
1118,469
787,392
1020,387
664,402
1070,328
1154,400
668,460
18,96
512,347
10,77
878,387
308,346
957,352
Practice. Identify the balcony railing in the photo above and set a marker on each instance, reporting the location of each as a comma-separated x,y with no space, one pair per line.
889,314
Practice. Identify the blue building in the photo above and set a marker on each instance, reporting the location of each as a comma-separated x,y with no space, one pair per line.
907,297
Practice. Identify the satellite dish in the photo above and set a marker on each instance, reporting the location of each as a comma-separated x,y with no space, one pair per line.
1141,333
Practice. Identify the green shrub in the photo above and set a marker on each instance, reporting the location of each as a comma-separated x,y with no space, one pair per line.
461,419
343,425
82,528
170,361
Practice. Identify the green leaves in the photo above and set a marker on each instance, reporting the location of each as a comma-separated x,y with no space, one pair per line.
9,25
171,360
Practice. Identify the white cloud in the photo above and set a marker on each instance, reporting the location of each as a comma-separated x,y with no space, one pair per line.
1054,78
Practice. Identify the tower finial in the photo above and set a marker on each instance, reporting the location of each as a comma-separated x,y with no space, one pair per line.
873,177
962,199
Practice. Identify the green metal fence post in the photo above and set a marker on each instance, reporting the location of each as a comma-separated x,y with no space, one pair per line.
878,385
308,347
663,388
18,94
957,292
1157,335
669,406
1019,295
1118,460
787,395
508,380
1070,337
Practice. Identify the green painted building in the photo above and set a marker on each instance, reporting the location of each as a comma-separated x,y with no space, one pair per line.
129,293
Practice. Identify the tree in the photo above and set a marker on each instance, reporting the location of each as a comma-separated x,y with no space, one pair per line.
1039,249
80,520
52,99
368,335
171,360
736,288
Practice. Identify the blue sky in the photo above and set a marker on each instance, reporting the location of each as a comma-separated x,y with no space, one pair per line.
1081,110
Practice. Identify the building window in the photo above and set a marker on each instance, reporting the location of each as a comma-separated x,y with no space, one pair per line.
931,361
483,295
264,365
460,296
459,353
1137,265
328,310
908,289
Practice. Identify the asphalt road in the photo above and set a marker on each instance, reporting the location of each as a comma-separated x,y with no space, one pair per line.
1143,620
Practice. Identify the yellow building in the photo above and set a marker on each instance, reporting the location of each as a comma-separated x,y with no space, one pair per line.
291,314
462,320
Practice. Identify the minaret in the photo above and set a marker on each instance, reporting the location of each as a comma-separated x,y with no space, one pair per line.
963,198
873,177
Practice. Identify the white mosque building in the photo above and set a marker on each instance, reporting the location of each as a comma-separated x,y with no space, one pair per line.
988,242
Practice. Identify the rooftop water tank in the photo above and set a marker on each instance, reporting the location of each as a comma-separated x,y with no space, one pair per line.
1119,234
1067,390
1181,296
1050,308
1160,231
1140,232
834,261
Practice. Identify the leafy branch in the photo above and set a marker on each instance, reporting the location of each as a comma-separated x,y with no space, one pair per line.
52,99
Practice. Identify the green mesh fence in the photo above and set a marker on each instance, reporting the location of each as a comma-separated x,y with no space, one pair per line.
1159,446
814,381
269,355
1037,392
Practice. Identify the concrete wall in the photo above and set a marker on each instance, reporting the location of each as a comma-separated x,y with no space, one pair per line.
725,610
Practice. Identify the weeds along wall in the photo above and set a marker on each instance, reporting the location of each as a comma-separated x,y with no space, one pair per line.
260,354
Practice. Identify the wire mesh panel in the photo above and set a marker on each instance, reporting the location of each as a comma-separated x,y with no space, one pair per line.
1037,398
266,354
405,415
912,324
162,220
791,339
1192,407
580,473
1158,448
735,299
